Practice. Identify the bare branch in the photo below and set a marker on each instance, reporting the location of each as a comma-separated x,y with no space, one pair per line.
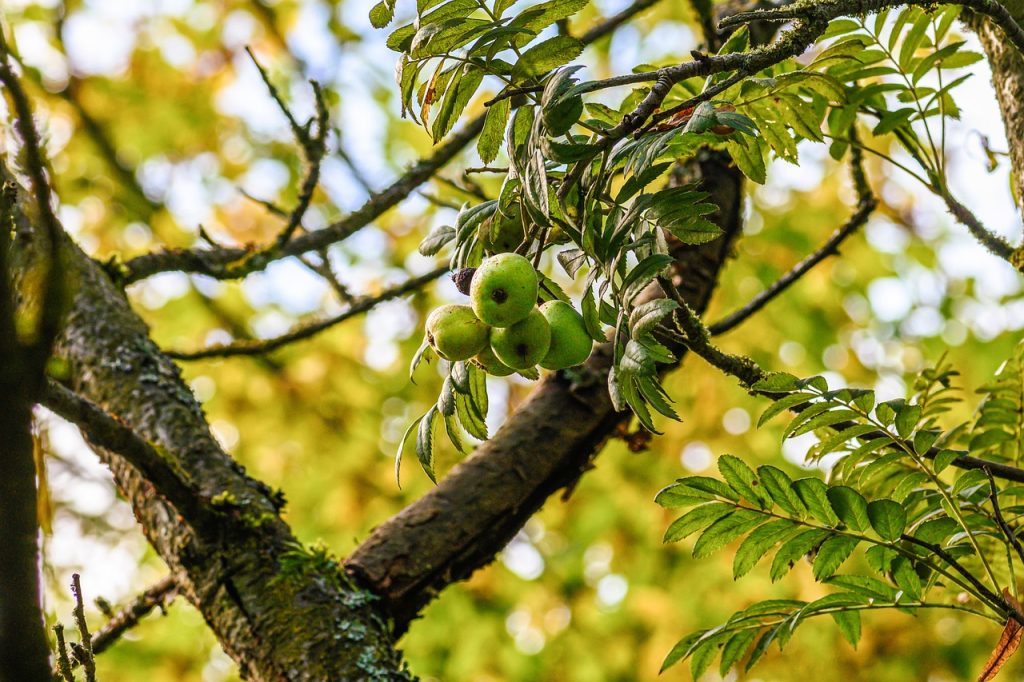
158,595
990,240
216,262
83,653
259,347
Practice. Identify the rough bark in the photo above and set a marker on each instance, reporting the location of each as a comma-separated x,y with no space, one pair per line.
1007,64
545,446
280,612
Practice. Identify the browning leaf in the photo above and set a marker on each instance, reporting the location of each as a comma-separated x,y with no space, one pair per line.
1008,643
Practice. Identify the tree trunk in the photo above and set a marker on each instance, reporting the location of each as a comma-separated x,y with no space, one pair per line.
1007,65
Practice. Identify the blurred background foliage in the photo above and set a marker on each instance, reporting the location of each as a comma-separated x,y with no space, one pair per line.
157,122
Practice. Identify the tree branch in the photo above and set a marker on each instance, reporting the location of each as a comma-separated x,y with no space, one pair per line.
305,331
217,262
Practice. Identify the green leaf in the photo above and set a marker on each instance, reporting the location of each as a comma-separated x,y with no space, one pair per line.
849,625
795,548
734,649
814,494
748,155
944,459
850,506
436,240
425,442
539,17
725,530
779,487
777,382
831,555
401,446
545,56
906,419
888,518
756,545
783,404
696,519
741,478
382,13
494,130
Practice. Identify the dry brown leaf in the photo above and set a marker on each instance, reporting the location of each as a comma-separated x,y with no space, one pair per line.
1008,643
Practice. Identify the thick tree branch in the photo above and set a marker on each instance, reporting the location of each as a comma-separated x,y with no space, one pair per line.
306,331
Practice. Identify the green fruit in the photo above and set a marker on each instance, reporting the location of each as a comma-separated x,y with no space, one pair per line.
490,363
504,289
570,342
525,343
455,332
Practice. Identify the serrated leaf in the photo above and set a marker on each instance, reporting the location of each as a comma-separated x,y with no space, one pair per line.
850,506
545,56
756,545
696,519
494,130
794,549
725,530
382,13
779,487
814,494
436,240
741,478
831,555
888,518
849,625
425,443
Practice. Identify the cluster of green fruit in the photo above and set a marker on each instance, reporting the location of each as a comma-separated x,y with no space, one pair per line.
504,331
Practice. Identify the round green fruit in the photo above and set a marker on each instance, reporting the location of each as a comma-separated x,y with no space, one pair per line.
504,289
455,332
490,363
570,342
525,343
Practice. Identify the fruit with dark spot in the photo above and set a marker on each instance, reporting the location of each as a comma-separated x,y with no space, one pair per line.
570,342
525,343
455,332
490,363
504,289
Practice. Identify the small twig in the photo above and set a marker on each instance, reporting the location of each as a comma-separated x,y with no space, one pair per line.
951,561
1003,525
158,595
990,240
86,658
865,206
302,332
300,132
63,661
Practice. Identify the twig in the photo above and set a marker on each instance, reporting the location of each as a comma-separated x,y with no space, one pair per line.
63,661
306,331
85,655
1003,525
991,241
158,595
996,599
214,262
866,204
697,338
